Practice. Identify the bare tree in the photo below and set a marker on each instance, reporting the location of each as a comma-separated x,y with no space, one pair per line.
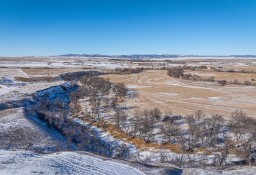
193,132
243,128
143,125
155,113
222,82
171,130
120,90
212,129
176,72
95,88
221,158
238,125
120,118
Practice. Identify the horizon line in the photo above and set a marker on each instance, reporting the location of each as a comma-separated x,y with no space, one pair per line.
129,55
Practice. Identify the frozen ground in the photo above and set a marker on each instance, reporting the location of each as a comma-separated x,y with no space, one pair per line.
27,162
59,62
234,171
19,132
75,163
8,93
156,89
11,73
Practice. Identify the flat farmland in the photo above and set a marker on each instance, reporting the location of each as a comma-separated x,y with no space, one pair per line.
156,89
38,72
229,76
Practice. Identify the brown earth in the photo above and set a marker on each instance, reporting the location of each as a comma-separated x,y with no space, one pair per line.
229,76
38,72
157,89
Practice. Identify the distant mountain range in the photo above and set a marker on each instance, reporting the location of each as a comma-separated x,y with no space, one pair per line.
141,56
121,56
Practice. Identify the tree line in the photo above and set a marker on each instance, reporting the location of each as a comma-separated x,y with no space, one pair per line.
178,72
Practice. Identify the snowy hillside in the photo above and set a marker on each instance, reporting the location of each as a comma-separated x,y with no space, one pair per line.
25,162
18,132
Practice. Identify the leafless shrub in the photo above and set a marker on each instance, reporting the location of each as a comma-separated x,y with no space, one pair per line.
179,160
143,125
248,83
212,129
120,118
211,79
123,152
222,82
170,129
128,70
95,85
187,76
176,72
120,90
236,82
155,113
243,128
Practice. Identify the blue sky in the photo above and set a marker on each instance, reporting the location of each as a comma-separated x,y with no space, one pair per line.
51,27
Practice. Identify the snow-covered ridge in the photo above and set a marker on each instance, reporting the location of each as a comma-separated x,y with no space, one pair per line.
64,163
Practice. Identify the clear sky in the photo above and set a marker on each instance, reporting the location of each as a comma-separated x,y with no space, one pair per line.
51,27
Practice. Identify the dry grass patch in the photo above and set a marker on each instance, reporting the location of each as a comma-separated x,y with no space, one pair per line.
138,142
156,89
49,72
36,79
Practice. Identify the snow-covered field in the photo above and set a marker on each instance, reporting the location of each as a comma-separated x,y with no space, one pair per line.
8,93
30,134
19,132
231,171
60,62
63,163
78,163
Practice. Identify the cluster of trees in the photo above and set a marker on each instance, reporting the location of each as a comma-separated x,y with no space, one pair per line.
128,70
98,91
195,68
83,136
236,82
243,128
201,131
56,113
246,82
195,131
144,123
178,72
232,70
190,132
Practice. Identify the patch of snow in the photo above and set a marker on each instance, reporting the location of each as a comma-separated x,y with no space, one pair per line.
135,86
18,92
214,99
11,73
203,74
65,163
14,123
